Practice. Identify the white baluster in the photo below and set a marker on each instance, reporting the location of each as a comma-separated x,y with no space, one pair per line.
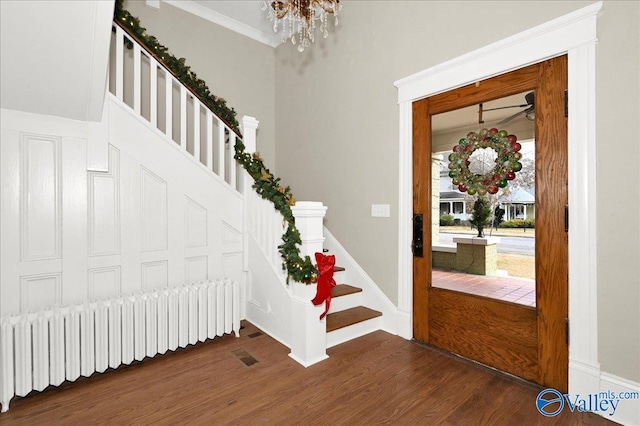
153,92
137,55
196,129
209,160
168,107
220,152
183,117
119,63
232,162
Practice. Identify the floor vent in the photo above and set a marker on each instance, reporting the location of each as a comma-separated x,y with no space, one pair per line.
244,357
256,334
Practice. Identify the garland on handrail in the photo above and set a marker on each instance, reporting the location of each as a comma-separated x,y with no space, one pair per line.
177,66
269,188
265,184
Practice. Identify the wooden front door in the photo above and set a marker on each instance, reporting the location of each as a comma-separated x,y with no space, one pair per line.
529,342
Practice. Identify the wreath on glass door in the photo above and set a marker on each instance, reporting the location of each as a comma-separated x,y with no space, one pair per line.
477,172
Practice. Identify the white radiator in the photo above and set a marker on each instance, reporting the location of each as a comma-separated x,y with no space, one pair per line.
48,347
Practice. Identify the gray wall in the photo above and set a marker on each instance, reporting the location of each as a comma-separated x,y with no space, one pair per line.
618,133
337,132
235,67
333,111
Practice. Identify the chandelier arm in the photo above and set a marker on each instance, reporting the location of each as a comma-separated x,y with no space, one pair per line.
324,5
281,13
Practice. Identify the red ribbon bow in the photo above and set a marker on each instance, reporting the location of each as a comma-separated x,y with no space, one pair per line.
325,281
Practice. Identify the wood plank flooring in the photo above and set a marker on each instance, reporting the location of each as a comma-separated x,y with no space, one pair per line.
377,379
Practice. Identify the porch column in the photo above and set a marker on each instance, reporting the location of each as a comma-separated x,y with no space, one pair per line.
308,332
435,198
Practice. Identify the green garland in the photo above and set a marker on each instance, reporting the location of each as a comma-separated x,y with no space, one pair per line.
265,184
177,65
269,188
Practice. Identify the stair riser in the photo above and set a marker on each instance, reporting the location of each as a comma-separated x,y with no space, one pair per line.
353,331
345,302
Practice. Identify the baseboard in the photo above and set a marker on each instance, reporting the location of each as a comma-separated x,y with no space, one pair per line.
584,377
587,378
628,411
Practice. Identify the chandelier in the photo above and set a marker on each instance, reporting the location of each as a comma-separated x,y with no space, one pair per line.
298,18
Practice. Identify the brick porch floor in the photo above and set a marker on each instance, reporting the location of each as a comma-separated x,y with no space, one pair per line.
510,289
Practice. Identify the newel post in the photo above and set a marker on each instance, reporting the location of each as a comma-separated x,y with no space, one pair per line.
308,332
249,126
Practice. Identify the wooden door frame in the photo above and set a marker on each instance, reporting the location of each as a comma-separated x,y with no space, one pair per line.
530,343
575,35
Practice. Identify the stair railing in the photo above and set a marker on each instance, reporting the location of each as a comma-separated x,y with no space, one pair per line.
140,80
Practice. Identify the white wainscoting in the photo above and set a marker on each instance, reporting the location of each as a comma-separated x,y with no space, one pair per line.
104,208
155,218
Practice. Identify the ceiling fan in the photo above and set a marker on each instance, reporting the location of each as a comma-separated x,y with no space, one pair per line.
529,112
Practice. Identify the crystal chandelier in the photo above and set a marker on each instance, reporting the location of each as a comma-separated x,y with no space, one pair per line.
298,18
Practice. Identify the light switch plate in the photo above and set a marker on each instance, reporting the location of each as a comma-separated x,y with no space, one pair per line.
380,210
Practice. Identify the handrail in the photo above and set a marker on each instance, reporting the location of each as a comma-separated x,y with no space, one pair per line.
265,184
162,62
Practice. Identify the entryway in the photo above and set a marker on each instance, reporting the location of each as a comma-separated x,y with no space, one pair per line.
529,342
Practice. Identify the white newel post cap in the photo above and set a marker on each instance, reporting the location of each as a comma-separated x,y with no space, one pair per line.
249,126
309,216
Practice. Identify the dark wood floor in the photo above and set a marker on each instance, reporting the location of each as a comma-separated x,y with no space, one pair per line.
377,379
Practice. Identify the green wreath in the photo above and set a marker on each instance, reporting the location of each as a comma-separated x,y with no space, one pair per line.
507,161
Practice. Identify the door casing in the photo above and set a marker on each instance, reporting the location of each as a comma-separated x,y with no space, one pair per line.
574,34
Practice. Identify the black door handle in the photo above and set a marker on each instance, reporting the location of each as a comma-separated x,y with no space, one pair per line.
417,245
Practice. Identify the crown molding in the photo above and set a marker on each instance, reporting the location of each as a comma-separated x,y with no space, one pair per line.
226,22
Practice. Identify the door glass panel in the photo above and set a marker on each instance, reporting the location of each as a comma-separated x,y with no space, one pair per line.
502,264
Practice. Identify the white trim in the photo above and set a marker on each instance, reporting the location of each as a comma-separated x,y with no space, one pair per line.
154,4
628,411
217,18
575,35
405,218
553,38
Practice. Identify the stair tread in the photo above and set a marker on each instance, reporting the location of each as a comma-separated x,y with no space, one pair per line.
349,317
338,269
344,289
